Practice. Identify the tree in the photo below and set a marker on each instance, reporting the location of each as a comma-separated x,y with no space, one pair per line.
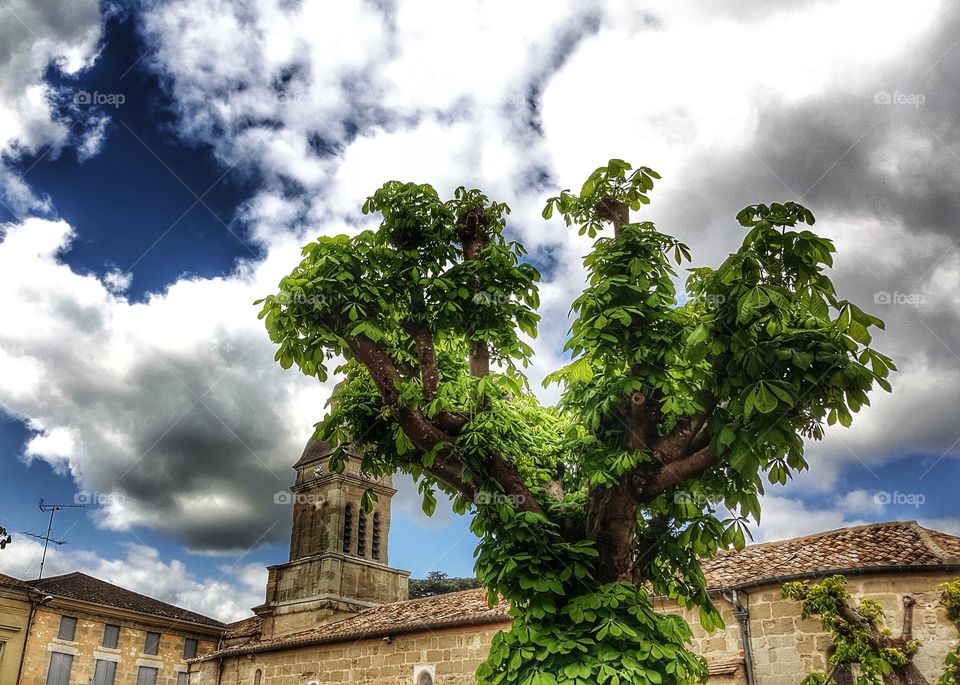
861,639
5,538
439,583
668,410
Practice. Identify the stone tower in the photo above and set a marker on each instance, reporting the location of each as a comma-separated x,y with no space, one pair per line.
338,553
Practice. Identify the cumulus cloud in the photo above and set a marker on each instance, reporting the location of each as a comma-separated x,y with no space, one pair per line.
171,412
141,568
34,37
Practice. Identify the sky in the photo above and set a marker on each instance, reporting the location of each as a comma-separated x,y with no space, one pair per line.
162,162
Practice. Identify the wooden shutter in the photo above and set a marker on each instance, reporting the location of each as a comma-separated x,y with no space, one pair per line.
68,628
105,672
60,665
147,676
151,644
111,636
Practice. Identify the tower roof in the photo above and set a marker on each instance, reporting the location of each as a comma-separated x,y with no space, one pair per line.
316,450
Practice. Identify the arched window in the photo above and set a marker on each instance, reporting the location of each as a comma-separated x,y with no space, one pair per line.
347,527
362,533
375,540
257,677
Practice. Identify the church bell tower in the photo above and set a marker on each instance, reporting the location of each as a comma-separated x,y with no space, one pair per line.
338,552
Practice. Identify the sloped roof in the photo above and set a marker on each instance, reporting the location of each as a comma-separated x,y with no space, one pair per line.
10,581
857,549
468,607
880,547
246,627
84,588
315,450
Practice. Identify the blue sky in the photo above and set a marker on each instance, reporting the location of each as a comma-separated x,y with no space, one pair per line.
138,231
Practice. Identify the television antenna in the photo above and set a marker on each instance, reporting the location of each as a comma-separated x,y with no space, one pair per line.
52,509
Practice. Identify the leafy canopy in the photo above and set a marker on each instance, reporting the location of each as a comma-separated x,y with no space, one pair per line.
674,412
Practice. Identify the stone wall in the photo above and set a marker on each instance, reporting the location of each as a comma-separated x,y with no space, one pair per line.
86,647
785,647
455,654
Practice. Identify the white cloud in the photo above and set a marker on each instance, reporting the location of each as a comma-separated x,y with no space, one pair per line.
141,568
171,410
33,37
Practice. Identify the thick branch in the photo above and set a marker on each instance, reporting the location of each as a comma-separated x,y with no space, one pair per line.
427,358
426,436
682,469
474,236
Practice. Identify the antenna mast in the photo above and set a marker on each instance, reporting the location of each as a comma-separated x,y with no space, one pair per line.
52,508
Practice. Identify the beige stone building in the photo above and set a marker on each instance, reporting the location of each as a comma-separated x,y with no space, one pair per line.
335,612
75,629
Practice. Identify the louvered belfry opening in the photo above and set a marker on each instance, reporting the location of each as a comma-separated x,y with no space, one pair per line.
347,527
375,540
362,534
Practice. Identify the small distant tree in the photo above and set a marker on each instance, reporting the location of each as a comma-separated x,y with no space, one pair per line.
5,538
861,639
439,583
669,409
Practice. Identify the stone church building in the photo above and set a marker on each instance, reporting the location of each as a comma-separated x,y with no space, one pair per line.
336,612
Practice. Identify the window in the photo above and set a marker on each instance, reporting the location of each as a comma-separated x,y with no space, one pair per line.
362,533
111,636
105,672
347,527
189,648
183,678
60,665
68,628
151,645
147,676
257,677
375,541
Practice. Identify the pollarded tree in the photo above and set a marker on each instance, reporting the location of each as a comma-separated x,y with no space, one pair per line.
668,410
860,639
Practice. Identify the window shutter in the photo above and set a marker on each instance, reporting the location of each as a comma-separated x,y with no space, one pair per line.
189,648
105,672
151,645
60,665
68,628
147,676
182,678
111,636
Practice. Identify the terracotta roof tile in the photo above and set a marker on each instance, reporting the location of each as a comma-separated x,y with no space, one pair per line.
247,627
10,581
86,588
879,545
468,607
725,666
